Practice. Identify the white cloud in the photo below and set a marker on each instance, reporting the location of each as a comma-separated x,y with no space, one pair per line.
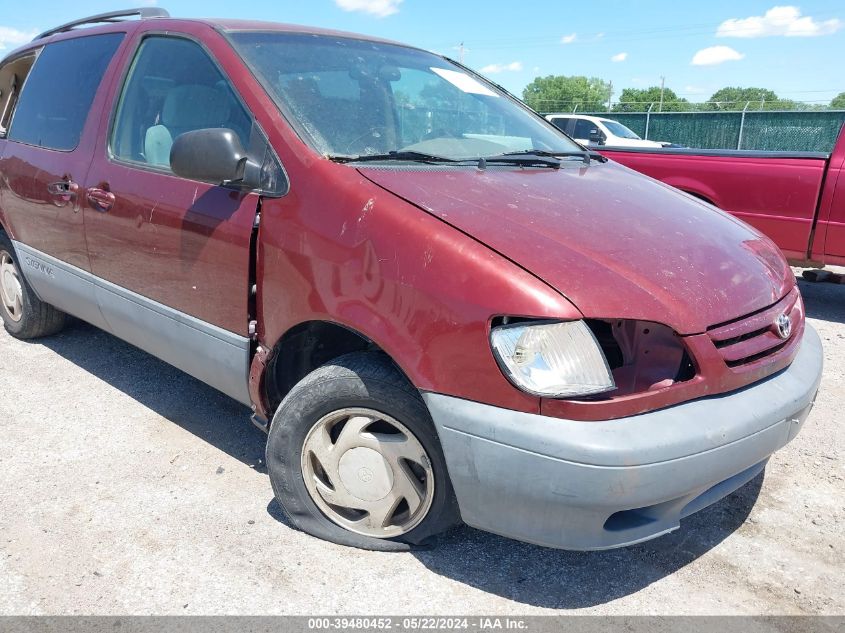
619,57
378,8
492,69
715,55
12,38
568,39
694,90
785,20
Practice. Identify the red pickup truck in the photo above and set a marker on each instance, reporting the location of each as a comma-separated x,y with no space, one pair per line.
797,199
439,306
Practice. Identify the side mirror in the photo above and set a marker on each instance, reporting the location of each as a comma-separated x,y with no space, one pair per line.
596,137
213,155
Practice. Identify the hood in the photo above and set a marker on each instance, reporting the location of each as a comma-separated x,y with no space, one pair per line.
615,243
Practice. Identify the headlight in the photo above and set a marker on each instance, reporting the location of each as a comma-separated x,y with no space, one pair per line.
552,360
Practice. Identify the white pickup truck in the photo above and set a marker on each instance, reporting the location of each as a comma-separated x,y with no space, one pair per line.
593,130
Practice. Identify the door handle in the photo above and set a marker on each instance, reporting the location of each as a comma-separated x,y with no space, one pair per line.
63,190
100,199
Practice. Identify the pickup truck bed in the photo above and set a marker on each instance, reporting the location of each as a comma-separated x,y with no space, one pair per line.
797,199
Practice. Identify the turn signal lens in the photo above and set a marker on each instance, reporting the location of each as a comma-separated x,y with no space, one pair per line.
552,360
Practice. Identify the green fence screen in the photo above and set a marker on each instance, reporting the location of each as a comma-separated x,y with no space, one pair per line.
786,131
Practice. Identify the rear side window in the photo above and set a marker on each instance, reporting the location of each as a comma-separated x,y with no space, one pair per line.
57,96
173,87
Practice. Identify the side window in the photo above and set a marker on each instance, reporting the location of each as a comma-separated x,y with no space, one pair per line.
58,93
561,123
173,87
583,127
12,76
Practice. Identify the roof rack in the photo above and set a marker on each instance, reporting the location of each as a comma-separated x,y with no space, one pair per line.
114,16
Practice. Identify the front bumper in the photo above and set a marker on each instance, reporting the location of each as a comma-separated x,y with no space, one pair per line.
598,485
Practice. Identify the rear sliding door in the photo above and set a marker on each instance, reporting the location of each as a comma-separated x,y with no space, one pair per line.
49,142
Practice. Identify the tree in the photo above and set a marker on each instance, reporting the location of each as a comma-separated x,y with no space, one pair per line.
735,99
638,100
838,102
556,93
783,104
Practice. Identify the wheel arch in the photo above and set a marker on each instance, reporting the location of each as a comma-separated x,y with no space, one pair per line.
700,196
694,187
305,347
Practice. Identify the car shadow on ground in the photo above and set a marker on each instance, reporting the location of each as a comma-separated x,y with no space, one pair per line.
169,392
556,579
824,301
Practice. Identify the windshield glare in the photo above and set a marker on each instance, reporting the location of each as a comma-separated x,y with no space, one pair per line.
354,97
617,129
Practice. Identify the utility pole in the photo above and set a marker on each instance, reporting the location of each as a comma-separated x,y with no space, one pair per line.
461,53
610,96
662,88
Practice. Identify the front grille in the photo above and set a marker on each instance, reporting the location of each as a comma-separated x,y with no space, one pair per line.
755,336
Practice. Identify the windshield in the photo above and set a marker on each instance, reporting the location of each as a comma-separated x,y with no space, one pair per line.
360,98
617,129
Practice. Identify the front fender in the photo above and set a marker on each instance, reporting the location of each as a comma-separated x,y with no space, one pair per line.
417,287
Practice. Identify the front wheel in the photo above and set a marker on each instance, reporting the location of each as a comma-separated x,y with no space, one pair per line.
24,315
354,459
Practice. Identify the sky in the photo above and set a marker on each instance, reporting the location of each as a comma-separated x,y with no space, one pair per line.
796,49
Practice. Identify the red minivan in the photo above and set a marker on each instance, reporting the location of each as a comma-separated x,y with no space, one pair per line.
439,306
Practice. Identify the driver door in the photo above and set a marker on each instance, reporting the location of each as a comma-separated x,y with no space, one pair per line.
172,254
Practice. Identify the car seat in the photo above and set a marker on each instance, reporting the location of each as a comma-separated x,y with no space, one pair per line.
186,108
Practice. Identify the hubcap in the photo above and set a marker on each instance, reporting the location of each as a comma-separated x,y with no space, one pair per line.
367,473
11,290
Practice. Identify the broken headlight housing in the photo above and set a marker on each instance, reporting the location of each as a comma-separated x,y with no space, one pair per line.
552,359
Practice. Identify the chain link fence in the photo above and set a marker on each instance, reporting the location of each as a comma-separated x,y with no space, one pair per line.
787,131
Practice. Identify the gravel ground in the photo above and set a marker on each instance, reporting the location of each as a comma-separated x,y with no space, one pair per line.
127,487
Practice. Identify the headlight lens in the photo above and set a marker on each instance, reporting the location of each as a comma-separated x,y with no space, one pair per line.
552,360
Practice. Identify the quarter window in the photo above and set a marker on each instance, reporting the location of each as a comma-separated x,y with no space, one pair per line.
56,99
12,77
173,87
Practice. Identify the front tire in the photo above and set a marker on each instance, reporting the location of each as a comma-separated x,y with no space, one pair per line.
24,315
353,457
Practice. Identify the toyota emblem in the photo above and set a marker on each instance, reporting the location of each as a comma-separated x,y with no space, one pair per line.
784,326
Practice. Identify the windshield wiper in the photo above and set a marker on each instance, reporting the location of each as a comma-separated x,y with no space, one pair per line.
419,157
527,158
586,155
520,160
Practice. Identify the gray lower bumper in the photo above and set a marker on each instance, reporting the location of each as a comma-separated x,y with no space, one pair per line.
597,485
